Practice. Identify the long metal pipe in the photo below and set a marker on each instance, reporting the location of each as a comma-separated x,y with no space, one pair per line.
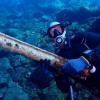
28,50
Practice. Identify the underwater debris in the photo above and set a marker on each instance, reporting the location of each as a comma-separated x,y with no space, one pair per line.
25,49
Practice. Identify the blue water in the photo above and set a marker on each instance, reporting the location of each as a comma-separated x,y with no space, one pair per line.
28,20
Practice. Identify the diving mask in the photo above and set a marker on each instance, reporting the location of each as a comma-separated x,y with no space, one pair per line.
60,37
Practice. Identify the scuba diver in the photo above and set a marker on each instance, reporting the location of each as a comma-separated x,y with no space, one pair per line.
73,46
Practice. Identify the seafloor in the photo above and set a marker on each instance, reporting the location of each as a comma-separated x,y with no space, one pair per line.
29,24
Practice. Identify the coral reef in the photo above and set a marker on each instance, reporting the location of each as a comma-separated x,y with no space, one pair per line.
28,21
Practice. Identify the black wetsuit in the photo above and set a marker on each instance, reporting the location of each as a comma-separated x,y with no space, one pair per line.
75,51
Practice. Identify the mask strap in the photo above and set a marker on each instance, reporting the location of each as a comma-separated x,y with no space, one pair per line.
64,33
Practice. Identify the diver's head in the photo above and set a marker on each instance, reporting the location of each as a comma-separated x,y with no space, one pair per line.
55,29
57,32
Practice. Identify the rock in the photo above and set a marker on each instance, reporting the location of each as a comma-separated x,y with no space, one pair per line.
38,15
16,93
43,78
14,16
18,60
3,53
4,64
4,78
53,93
45,18
95,26
84,3
76,15
2,23
19,74
31,38
14,32
53,4
3,85
2,93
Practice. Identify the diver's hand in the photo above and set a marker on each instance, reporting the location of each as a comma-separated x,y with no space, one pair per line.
41,76
76,66
45,63
48,68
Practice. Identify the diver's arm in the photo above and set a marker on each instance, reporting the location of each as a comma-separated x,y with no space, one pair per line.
91,36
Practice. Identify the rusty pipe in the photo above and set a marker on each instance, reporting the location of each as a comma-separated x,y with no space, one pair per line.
28,50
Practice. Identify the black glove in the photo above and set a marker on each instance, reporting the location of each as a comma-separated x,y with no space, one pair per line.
47,68
41,76
62,83
45,63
